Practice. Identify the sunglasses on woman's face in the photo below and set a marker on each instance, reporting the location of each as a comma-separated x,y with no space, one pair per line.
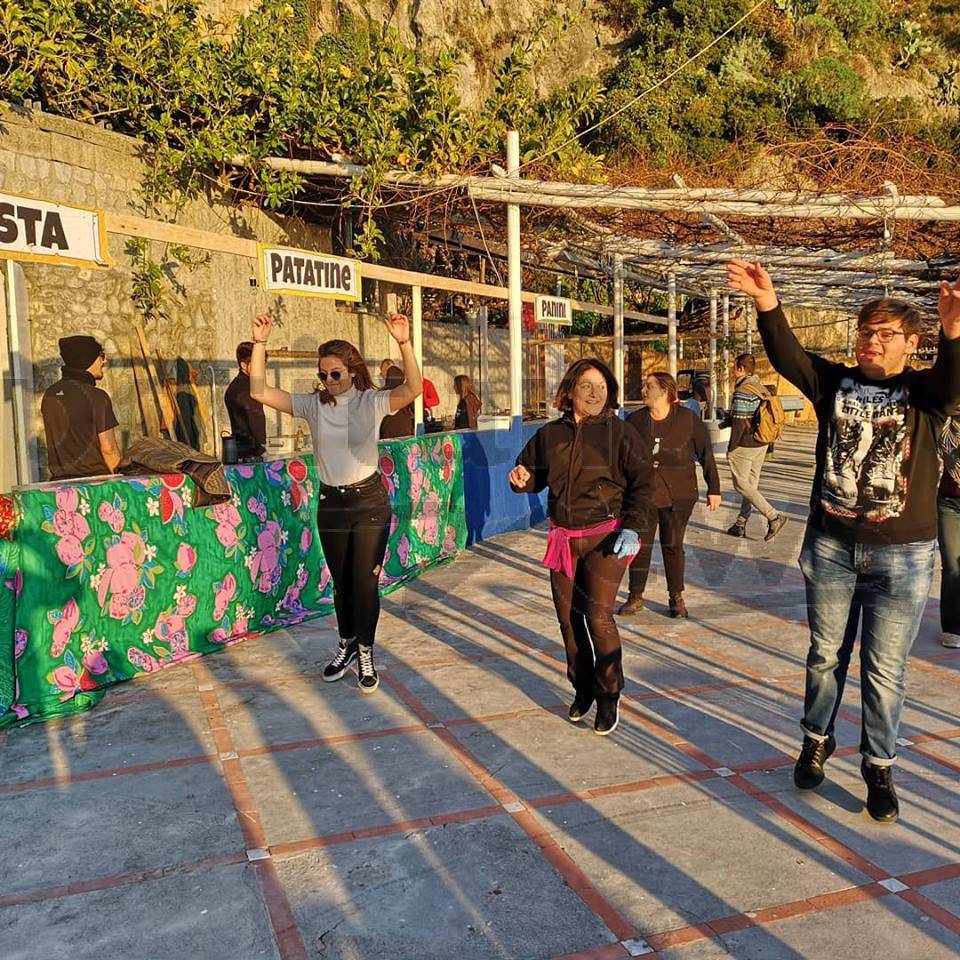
334,375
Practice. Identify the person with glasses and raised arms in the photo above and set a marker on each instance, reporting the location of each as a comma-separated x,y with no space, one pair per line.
353,514
872,531
600,490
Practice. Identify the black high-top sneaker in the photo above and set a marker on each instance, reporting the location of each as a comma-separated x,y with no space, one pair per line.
580,707
608,714
337,667
739,528
367,678
808,773
882,803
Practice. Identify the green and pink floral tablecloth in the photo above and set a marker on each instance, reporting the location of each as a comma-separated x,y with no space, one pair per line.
106,581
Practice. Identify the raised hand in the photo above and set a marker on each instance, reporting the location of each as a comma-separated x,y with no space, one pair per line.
519,476
754,281
398,326
261,327
950,309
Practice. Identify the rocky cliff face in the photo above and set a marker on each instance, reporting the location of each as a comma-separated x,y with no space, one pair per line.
483,29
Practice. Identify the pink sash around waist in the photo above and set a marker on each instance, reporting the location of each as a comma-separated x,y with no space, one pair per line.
558,556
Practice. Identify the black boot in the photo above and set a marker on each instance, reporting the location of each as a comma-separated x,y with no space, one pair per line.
580,707
808,773
882,802
608,714
739,528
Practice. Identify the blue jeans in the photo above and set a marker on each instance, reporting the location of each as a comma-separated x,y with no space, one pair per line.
888,586
948,513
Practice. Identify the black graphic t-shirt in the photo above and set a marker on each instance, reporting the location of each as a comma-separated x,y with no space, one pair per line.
877,466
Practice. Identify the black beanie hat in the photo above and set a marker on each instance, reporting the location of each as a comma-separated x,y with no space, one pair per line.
79,351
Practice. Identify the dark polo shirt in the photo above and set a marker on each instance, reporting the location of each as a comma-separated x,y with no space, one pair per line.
75,411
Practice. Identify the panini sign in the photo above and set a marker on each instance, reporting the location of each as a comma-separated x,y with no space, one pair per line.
45,232
288,270
555,310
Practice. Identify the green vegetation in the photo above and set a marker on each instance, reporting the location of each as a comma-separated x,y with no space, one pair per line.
794,68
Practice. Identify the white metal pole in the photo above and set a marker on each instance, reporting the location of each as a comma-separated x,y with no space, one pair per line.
726,351
712,405
486,396
24,474
849,337
417,333
672,323
749,322
515,304
618,338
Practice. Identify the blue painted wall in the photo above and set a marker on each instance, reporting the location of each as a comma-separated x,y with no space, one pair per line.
492,507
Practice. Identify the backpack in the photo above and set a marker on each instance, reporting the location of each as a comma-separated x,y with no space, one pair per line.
769,419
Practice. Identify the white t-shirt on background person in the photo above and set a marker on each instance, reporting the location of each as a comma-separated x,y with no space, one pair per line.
344,433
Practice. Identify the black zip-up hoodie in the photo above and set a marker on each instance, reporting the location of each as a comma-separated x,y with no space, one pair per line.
595,470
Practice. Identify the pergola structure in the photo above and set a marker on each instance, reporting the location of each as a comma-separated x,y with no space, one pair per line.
806,276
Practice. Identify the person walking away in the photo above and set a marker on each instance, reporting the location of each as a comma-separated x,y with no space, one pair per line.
948,534
248,423
871,534
78,418
600,489
674,438
468,406
353,515
745,454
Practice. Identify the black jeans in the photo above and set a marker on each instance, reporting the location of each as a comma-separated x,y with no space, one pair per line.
354,526
673,526
584,608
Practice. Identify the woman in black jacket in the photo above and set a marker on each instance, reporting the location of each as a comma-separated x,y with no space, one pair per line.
600,491
674,437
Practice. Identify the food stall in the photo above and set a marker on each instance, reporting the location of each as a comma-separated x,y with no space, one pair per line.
103,581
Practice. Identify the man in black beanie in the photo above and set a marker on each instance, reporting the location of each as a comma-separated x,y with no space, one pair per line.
78,417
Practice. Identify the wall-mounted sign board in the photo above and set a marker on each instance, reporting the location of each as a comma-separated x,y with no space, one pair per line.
42,231
555,310
305,272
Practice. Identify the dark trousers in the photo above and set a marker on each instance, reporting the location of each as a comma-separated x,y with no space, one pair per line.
354,526
584,607
948,509
672,522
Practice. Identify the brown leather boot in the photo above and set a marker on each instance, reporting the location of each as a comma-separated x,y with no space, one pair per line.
678,609
632,605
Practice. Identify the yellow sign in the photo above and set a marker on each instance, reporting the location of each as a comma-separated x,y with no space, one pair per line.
306,272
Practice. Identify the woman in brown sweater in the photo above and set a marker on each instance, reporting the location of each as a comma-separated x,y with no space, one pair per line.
674,437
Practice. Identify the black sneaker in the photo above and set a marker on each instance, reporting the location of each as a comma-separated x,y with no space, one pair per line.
678,609
739,529
808,773
630,606
608,715
580,707
775,525
367,678
882,803
337,667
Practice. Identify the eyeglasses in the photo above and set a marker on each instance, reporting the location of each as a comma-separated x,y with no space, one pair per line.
334,375
884,335
588,387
